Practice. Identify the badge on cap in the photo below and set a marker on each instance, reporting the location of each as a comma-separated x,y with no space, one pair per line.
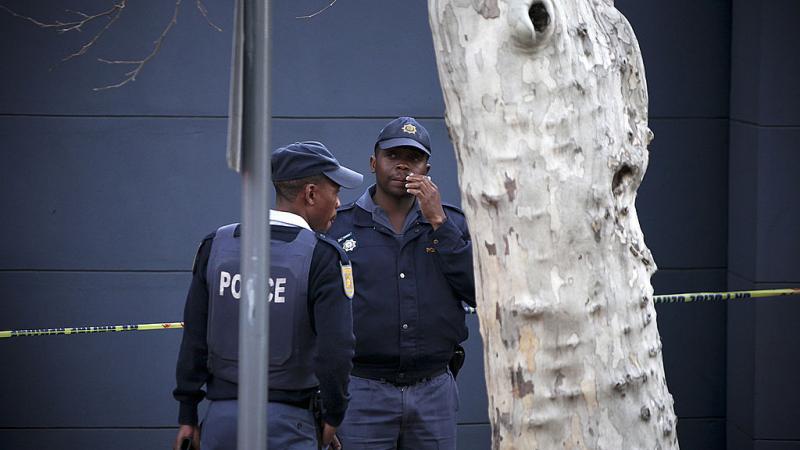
409,128
347,280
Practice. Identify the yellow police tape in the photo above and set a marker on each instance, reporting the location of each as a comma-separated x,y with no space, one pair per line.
670,298
735,295
93,329
709,296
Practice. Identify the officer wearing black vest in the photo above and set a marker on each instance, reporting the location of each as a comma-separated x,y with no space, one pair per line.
311,334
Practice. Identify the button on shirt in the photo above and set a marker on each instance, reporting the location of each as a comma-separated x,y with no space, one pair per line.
407,309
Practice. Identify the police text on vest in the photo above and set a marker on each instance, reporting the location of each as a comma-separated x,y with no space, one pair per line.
277,287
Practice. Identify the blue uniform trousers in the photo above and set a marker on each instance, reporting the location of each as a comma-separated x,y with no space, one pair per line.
290,427
382,416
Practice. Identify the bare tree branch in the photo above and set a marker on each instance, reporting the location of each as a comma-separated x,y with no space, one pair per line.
131,75
202,8
63,27
318,12
112,14
97,36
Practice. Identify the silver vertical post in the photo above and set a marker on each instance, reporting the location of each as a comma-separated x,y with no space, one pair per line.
253,310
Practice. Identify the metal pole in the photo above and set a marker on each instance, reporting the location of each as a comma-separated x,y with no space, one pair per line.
253,310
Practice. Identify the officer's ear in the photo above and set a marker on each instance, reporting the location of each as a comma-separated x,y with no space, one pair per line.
372,162
427,169
310,194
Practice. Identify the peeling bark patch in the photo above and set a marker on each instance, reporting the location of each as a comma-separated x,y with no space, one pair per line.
539,16
621,179
596,227
511,188
505,241
521,386
472,202
488,101
488,9
645,413
492,201
497,315
491,248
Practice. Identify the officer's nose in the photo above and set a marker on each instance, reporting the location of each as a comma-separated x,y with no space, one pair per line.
338,202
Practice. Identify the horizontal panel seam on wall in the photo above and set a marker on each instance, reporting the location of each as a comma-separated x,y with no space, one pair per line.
113,116
742,276
738,428
761,125
95,270
47,270
88,428
310,117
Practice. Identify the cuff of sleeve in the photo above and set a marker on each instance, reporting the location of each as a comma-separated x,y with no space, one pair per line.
187,414
333,418
447,236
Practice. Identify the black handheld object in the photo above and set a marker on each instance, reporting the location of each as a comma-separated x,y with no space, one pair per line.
316,410
457,361
186,444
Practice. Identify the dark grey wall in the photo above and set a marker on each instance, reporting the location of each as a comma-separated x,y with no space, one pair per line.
106,195
682,202
763,393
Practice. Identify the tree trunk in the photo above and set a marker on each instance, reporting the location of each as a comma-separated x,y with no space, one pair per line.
547,109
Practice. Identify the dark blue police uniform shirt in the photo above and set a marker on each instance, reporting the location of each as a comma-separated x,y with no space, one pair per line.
330,313
407,310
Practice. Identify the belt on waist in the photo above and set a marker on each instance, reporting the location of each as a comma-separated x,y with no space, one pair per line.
299,399
399,378
303,404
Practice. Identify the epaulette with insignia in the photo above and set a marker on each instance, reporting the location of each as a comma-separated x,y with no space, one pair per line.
344,264
343,258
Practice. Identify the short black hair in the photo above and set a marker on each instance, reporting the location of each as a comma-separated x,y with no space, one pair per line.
289,189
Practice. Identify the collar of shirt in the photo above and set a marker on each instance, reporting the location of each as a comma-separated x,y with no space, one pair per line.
366,203
287,219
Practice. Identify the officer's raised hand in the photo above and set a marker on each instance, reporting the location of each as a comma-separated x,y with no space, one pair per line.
427,194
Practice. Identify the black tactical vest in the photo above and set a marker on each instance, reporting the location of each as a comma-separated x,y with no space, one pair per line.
292,344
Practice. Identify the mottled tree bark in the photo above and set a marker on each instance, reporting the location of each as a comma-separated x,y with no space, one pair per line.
547,108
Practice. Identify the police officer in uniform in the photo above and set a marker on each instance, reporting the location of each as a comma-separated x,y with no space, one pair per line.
412,259
310,291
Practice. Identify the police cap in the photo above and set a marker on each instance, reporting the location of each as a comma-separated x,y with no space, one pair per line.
404,132
305,159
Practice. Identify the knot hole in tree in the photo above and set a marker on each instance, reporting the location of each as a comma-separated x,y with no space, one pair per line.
539,16
623,178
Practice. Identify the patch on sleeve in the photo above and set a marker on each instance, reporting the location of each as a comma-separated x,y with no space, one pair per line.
347,280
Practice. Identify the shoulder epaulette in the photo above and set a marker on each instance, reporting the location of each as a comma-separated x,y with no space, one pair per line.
209,237
342,254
